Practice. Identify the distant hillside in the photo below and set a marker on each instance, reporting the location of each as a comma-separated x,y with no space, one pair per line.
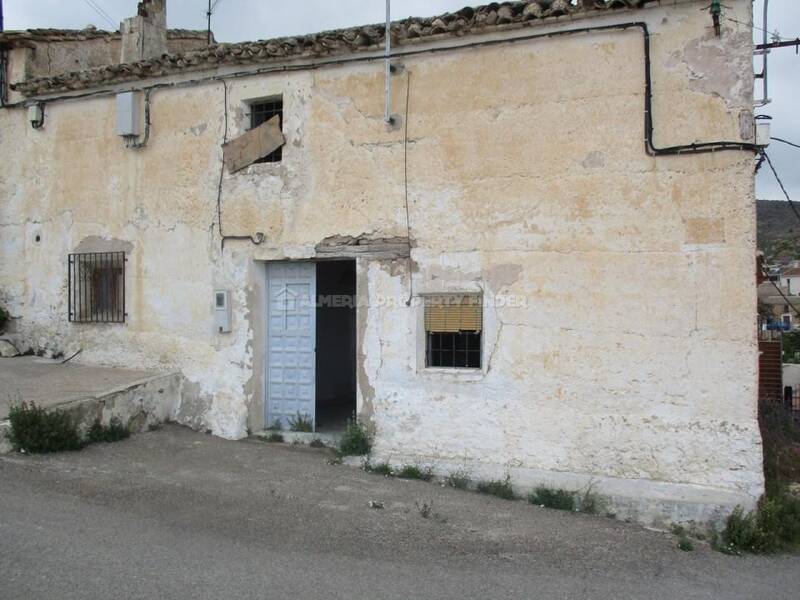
778,231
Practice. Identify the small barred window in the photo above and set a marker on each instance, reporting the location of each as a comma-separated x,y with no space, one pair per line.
97,287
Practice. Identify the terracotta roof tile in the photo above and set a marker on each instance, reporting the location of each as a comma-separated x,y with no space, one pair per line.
27,36
482,19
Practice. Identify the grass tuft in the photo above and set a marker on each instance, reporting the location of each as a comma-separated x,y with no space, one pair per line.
415,472
552,498
497,487
274,438
379,469
458,479
115,431
685,544
355,440
301,423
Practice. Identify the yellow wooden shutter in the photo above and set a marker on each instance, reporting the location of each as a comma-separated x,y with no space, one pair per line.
453,313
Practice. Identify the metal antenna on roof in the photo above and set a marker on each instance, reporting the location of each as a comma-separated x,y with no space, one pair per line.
388,116
211,8
208,29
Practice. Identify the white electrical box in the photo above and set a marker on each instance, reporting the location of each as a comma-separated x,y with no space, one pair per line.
35,114
128,109
222,311
762,132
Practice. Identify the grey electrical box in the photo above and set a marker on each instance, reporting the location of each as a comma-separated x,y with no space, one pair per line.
222,311
128,109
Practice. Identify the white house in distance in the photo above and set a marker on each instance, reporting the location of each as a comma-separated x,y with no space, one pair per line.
472,264
790,279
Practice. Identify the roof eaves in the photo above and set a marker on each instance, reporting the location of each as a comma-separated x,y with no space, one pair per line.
467,21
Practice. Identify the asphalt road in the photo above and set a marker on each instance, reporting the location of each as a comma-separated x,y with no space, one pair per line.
176,514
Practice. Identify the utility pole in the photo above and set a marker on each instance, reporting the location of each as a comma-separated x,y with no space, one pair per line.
795,43
208,16
1,15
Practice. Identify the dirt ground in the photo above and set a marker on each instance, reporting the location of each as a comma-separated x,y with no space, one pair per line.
178,514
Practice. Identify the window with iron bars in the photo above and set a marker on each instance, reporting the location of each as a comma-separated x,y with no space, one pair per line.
97,287
261,112
453,326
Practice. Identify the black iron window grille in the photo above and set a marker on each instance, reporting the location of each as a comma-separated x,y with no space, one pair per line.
263,111
97,287
453,326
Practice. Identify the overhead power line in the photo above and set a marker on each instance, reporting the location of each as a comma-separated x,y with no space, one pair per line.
783,187
785,142
100,11
775,35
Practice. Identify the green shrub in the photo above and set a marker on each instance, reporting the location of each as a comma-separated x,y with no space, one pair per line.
497,487
415,472
458,479
552,498
589,503
301,423
685,544
115,431
773,527
33,429
355,440
379,469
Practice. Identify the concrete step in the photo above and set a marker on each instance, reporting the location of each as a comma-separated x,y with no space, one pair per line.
137,404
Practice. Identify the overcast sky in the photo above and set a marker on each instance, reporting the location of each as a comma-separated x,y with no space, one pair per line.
236,20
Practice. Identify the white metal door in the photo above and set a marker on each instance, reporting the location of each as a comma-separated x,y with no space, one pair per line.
291,340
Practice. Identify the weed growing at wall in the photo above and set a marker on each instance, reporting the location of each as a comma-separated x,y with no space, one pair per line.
458,479
35,430
685,544
274,438
497,487
355,440
552,498
379,469
301,423
115,431
773,527
415,472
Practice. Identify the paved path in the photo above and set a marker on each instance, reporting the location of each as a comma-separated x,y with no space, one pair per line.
176,514
49,382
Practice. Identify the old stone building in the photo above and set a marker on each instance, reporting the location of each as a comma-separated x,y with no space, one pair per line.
540,265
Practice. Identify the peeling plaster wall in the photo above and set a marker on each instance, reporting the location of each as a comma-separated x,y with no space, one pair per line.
633,357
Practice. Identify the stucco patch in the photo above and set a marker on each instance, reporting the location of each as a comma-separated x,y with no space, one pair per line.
594,160
95,243
501,276
703,58
705,231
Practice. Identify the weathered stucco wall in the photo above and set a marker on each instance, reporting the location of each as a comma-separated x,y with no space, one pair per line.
631,362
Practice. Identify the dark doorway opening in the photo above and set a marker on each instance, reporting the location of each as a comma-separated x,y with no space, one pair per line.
336,344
